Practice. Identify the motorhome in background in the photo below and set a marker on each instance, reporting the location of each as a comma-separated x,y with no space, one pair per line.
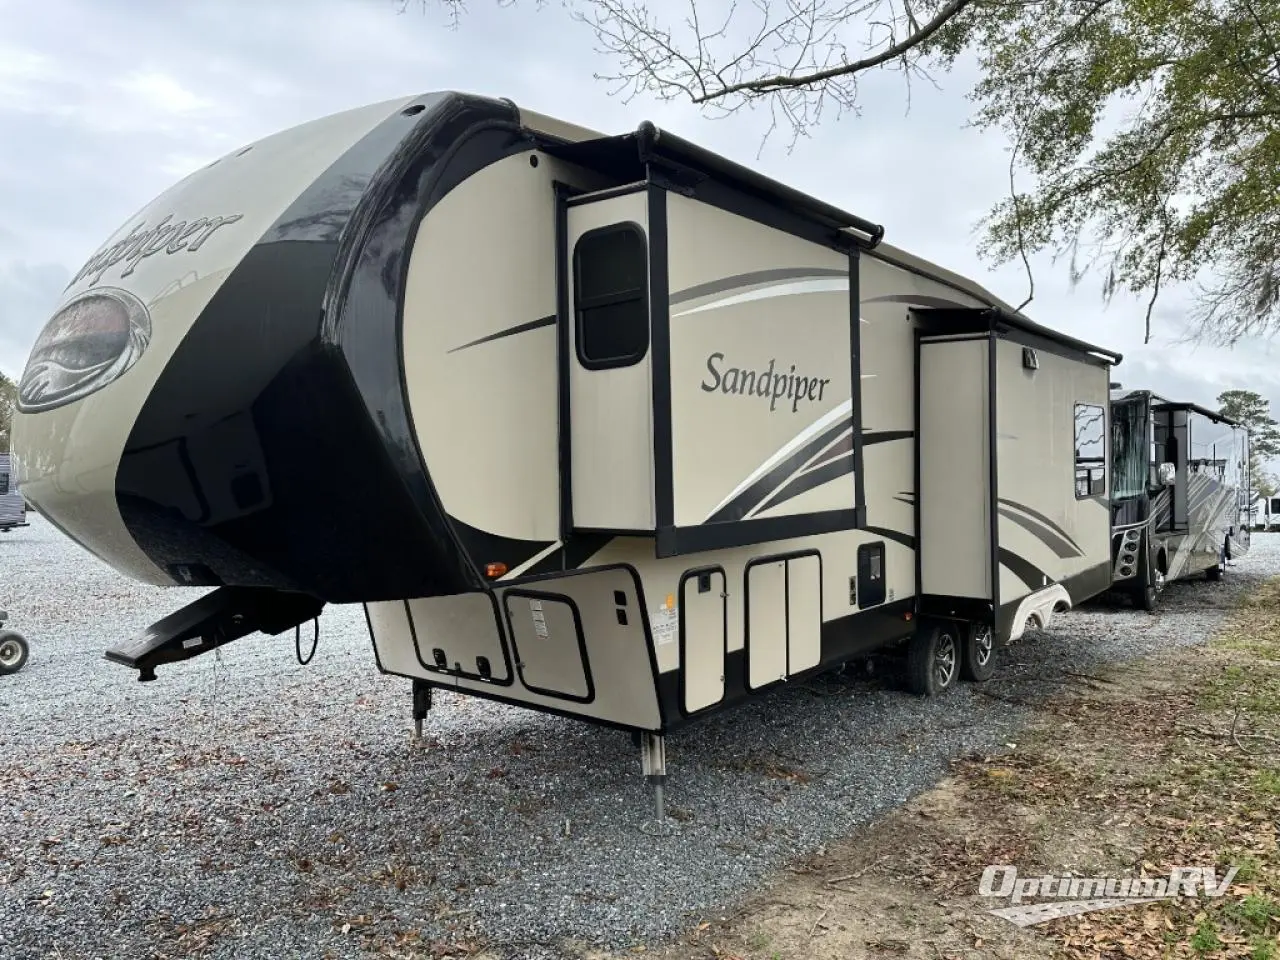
13,508
1265,514
1179,482
643,434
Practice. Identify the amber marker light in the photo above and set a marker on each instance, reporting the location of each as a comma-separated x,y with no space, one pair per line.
494,570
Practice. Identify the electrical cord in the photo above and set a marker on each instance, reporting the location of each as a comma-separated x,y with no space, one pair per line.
297,642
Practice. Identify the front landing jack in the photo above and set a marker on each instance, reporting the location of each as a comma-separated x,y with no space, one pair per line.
653,763
421,706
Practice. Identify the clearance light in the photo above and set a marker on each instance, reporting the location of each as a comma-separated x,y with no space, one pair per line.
494,570
907,615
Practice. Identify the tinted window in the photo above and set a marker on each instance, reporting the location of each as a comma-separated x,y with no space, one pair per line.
1091,450
611,282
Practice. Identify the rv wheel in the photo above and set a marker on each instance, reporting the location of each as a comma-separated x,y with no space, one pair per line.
1147,596
1215,572
979,661
933,659
13,652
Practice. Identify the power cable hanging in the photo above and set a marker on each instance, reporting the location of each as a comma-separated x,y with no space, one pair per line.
297,642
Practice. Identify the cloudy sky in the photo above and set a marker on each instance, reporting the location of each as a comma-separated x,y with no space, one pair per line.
104,104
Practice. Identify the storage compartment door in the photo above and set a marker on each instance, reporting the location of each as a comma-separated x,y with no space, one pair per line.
955,467
703,615
804,613
766,622
608,363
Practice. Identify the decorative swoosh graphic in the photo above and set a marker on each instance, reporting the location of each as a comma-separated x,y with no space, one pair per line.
755,278
508,332
793,471
1041,527
1025,570
789,289
767,477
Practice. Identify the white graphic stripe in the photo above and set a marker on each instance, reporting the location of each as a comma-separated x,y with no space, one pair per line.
537,557
786,289
809,433
1033,913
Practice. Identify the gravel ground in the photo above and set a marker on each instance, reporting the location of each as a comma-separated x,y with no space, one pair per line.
245,806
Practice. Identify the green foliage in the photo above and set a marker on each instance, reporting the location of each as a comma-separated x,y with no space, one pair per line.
1252,410
8,398
1206,938
1150,128
1152,131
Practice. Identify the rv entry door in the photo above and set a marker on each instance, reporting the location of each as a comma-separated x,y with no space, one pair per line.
605,357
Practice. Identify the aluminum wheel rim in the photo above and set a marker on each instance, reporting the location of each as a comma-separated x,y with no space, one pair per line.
944,662
10,653
982,645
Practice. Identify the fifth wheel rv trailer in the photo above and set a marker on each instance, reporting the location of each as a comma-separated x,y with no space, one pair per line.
1179,495
642,434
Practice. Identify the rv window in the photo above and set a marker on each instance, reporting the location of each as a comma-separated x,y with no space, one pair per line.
4,483
611,287
1091,450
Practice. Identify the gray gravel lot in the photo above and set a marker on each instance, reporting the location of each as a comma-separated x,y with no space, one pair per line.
245,806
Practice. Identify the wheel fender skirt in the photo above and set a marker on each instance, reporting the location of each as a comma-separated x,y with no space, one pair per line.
217,618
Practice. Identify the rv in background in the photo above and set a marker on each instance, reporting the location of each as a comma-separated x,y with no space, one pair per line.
1179,477
13,508
1266,514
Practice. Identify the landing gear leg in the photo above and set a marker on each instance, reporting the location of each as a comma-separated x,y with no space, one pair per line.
653,762
421,705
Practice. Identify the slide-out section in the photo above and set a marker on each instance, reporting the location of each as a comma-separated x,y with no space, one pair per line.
608,363
1053,461
574,644
954,460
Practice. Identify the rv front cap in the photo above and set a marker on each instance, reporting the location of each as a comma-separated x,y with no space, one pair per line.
141,243
765,383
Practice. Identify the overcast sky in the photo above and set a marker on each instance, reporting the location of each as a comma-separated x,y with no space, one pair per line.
104,104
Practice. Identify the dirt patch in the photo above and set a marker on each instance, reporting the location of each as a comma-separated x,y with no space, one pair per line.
1168,762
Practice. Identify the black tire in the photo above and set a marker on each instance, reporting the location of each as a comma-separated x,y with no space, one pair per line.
13,652
933,658
979,661
1146,592
1218,569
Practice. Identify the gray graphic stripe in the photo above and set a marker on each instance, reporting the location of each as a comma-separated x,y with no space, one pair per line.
1044,535
508,332
1044,520
740,280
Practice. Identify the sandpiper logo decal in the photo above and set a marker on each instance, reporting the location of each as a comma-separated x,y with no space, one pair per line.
764,383
164,237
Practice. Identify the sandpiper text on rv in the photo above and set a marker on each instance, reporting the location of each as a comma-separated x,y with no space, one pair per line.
764,383
139,244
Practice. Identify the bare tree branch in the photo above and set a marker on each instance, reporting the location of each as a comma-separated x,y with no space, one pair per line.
893,52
